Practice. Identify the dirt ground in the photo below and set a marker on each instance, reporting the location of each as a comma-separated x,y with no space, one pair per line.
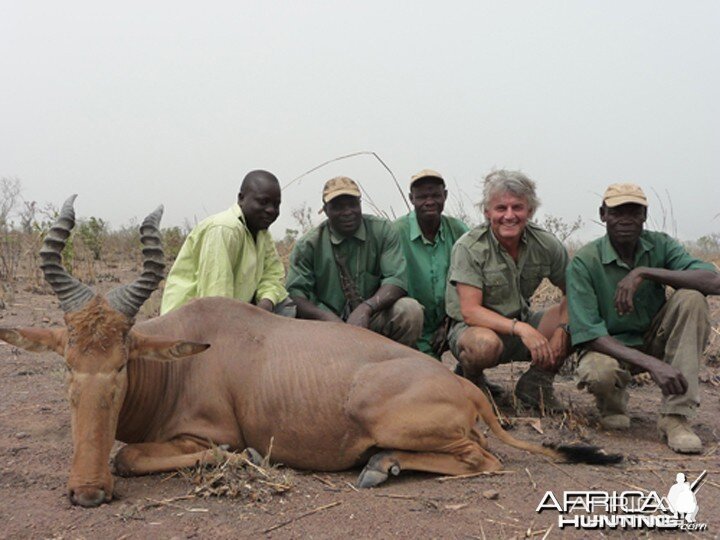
35,453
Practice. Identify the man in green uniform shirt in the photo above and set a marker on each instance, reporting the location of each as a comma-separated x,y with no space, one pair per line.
232,253
427,238
494,270
351,269
621,320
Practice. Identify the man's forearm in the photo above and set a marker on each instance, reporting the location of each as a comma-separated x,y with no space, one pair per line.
612,347
704,281
385,297
487,318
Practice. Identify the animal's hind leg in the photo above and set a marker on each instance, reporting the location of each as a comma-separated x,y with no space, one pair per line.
149,458
467,457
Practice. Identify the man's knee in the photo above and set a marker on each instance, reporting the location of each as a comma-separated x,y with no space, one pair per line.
690,301
479,348
408,312
406,320
601,373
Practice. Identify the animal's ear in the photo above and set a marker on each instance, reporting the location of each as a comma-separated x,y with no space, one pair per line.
161,348
36,339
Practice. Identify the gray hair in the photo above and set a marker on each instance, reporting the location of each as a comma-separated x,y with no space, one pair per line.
514,182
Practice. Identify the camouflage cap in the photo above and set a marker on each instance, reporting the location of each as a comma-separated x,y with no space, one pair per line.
426,173
340,185
617,194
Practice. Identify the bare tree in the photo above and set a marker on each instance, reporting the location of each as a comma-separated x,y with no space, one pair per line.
9,192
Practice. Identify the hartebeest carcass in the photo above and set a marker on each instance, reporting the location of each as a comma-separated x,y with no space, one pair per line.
331,396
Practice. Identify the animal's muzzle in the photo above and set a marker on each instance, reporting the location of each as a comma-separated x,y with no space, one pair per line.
88,496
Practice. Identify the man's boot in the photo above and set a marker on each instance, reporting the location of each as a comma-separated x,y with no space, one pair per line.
680,436
495,390
612,405
535,389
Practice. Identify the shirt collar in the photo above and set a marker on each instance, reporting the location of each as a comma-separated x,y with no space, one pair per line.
360,234
416,232
609,255
235,208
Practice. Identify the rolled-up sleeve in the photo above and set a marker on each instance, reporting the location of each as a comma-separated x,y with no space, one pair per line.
586,321
393,266
215,274
464,268
271,285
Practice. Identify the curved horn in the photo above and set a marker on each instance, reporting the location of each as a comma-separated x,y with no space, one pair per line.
129,298
72,294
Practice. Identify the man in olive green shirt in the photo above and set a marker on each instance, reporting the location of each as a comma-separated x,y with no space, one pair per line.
620,318
427,238
351,269
232,253
494,270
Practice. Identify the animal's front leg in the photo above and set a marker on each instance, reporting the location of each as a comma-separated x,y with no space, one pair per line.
149,458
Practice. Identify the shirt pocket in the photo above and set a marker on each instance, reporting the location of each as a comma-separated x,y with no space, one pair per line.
496,289
531,277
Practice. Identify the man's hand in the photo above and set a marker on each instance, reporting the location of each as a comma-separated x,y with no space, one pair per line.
559,346
625,291
266,304
360,316
537,344
669,379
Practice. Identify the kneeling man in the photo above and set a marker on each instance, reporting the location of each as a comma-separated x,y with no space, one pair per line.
620,317
494,270
351,269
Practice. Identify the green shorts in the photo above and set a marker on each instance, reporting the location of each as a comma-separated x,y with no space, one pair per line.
513,348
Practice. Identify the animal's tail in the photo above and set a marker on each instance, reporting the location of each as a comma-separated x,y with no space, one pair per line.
571,453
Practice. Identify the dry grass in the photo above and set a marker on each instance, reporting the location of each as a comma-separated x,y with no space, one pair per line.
235,476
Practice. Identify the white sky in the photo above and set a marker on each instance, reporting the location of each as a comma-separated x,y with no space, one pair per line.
131,104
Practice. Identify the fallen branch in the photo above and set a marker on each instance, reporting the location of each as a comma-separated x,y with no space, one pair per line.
306,514
352,487
628,484
324,481
503,523
395,496
530,534
560,469
473,475
534,485
166,502
685,458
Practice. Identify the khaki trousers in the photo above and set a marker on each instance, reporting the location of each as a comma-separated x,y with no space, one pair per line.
678,335
402,322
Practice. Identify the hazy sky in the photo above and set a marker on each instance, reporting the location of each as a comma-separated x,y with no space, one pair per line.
132,104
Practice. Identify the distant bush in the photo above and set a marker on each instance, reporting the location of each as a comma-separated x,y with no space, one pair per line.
93,232
172,239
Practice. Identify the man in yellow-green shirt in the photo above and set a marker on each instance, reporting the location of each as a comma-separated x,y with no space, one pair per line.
232,253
